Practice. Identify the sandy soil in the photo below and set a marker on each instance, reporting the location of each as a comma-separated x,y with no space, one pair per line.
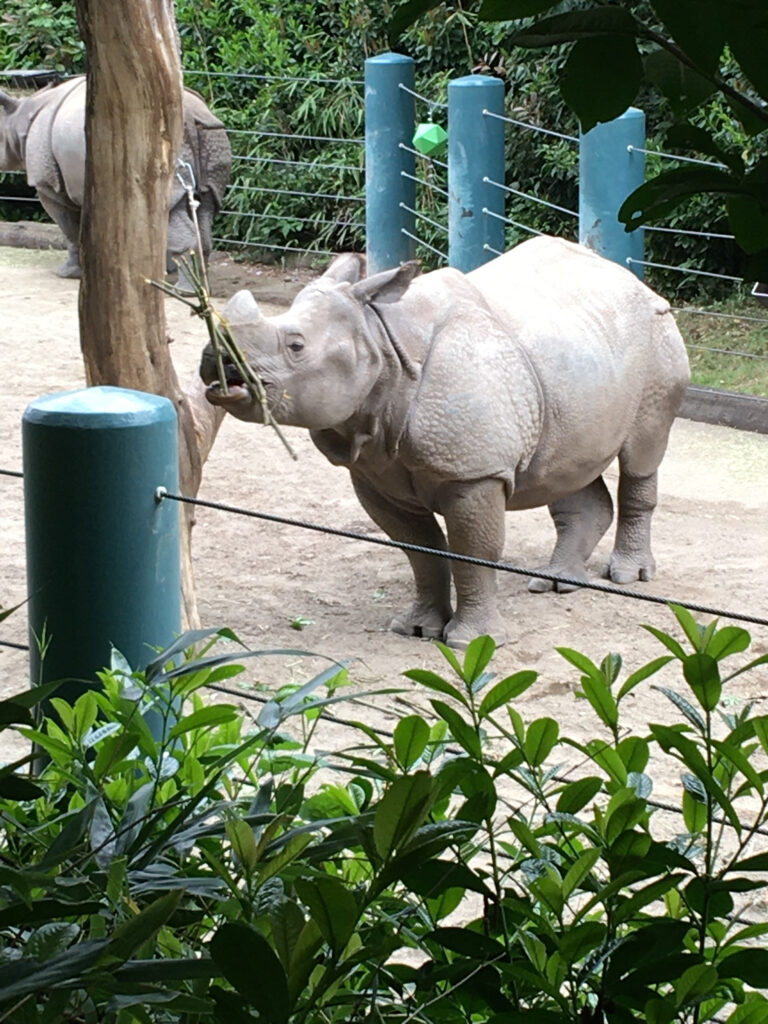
710,535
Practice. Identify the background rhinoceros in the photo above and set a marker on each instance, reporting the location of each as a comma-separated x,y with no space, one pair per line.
460,395
44,134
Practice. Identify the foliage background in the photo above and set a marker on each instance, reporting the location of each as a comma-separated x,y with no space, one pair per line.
295,68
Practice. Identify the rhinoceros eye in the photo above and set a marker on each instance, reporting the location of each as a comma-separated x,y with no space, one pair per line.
295,344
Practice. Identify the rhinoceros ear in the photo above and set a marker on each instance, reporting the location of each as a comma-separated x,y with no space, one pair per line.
242,308
350,267
8,103
389,285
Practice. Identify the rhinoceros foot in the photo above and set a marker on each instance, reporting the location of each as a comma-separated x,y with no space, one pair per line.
421,619
71,268
624,569
461,631
538,585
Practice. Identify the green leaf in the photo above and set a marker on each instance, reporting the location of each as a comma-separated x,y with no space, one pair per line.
695,982
703,677
510,10
286,921
582,663
690,626
333,907
579,940
683,87
402,809
406,14
461,731
685,706
604,97
578,794
51,938
689,137
250,965
435,682
411,737
505,691
16,787
750,966
131,935
22,977
606,758
696,27
540,738
578,871
476,657
602,700
656,200
469,943
205,718
642,897
728,640
577,25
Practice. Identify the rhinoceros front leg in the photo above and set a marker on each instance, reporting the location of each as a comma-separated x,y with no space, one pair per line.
580,520
474,516
431,609
67,217
631,558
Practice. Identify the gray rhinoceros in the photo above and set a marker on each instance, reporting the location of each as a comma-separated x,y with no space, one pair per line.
44,134
510,387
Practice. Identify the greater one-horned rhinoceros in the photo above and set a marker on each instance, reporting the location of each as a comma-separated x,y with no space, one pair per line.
44,134
510,387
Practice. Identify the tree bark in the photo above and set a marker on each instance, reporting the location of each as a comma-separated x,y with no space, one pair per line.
133,130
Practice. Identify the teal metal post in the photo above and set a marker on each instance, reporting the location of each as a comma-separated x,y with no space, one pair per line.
390,189
103,556
475,170
611,166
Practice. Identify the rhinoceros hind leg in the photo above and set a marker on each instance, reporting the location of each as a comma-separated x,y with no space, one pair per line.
632,559
71,266
580,520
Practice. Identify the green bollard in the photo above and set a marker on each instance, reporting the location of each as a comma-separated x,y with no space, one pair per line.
103,556
475,161
611,165
390,168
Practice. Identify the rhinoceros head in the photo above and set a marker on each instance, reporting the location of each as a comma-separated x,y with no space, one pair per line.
317,361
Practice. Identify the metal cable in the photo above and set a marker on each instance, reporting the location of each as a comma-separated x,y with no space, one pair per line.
420,241
275,78
430,103
685,270
422,156
726,316
295,163
424,184
532,127
162,494
423,216
728,351
284,135
507,220
671,156
292,192
11,472
526,195
686,231
10,643
298,220
269,245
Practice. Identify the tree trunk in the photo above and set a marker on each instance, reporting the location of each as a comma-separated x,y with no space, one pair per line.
133,135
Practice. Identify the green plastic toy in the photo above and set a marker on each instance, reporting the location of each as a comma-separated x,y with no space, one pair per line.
430,139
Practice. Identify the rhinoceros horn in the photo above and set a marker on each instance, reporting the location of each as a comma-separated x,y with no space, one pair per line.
242,308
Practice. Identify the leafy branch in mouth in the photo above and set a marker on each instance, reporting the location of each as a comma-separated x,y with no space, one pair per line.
223,342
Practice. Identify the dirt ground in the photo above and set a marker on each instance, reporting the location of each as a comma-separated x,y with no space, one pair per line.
710,534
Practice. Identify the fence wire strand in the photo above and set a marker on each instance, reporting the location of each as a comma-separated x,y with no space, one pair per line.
163,494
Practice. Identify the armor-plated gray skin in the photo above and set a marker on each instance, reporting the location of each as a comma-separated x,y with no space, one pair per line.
44,134
464,395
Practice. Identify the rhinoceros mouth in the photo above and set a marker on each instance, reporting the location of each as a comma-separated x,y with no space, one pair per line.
236,392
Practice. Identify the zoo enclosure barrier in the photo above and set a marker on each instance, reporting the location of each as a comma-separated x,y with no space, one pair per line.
118,508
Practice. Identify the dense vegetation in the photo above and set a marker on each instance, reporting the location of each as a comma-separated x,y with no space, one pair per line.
295,69
471,865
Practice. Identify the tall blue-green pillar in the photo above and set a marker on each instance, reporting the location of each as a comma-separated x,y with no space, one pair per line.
103,556
611,166
475,170
390,189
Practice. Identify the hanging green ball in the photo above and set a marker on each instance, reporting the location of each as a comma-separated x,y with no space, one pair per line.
430,139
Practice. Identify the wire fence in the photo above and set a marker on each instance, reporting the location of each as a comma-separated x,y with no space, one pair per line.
279,204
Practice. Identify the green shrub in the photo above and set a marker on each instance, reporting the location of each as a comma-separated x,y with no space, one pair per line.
456,870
